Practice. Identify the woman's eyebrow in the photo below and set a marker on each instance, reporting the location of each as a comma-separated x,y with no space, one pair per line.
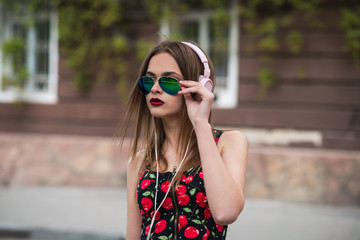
170,73
150,73
166,74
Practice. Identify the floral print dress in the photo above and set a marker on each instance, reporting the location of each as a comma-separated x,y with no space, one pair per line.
185,213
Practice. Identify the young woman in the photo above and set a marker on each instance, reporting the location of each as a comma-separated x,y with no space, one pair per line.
185,180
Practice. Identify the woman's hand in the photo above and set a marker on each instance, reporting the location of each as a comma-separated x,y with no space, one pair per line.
198,109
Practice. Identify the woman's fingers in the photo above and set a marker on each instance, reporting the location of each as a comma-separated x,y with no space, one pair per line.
194,87
189,83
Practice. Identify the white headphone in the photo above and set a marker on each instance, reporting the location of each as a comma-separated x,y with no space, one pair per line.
203,79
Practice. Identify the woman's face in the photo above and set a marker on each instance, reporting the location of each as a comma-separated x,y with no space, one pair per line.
161,104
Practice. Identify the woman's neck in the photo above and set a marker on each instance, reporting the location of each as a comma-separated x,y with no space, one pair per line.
170,148
172,130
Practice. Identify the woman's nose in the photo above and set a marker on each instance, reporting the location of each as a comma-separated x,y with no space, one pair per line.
156,87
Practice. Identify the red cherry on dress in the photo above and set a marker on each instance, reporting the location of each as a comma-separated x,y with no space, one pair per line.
207,213
186,179
145,183
189,179
146,203
168,204
201,175
201,199
183,177
219,227
206,235
183,221
183,199
165,186
160,226
147,229
157,216
191,232
181,189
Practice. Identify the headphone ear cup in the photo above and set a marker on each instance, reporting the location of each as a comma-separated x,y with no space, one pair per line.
206,82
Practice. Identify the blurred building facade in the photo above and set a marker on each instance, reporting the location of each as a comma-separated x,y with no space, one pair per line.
304,133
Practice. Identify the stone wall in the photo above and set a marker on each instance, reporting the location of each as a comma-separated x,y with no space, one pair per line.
304,175
56,160
282,173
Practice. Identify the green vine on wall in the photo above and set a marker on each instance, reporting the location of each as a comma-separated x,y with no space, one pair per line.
13,53
93,37
350,23
93,40
220,19
271,23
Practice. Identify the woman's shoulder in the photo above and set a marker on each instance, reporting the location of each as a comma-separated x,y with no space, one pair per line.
134,163
232,137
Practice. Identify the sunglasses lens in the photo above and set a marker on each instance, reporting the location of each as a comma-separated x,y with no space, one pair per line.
145,84
169,85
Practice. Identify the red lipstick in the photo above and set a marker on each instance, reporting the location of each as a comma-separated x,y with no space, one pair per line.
156,102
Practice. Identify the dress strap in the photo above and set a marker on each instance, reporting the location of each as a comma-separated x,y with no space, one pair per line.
217,135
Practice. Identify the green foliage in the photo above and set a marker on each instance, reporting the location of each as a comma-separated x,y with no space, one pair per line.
267,77
142,48
160,9
92,34
301,74
93,40
173,11
294,41
350,23
268,21
14,49
14,54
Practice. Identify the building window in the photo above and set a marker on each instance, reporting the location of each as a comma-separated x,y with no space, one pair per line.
28,55
198,27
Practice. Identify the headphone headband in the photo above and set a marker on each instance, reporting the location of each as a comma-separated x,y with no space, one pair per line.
202,57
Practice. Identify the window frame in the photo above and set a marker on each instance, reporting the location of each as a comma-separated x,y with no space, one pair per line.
226,97
29,94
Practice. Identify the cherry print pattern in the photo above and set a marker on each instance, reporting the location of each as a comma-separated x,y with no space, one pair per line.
191,232
147,229
165,186
186,179
201,199
160,226
206,235
185,212
157,214
207,213
201,175
168,203
146,204
180,190
182,221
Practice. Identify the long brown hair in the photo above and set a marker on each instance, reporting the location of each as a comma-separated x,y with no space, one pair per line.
137,112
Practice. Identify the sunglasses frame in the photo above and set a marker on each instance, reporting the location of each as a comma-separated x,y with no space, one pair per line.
144,91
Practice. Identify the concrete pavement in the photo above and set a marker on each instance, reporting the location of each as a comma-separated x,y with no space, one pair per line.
92,214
